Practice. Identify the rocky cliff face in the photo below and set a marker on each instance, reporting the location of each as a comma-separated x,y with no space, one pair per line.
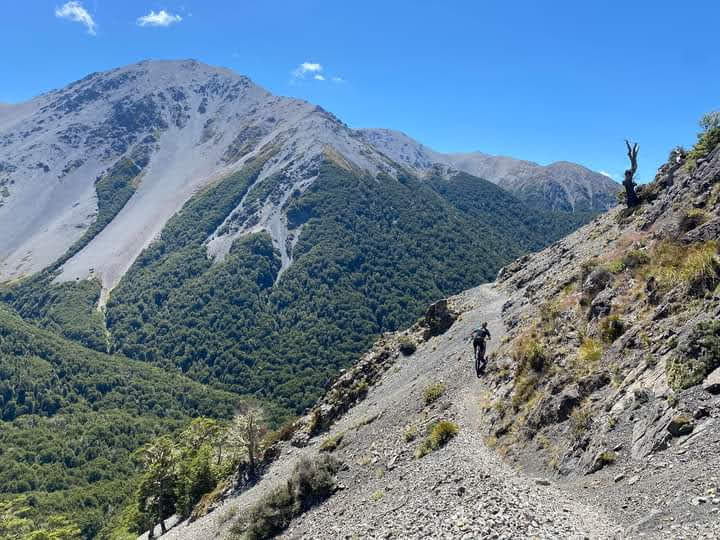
558,186
602,386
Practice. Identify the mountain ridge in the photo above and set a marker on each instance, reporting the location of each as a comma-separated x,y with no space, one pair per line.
187,124
560,185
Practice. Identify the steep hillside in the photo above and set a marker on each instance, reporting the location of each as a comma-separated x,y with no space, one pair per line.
252,241
558,186
71,418
368,254
602,387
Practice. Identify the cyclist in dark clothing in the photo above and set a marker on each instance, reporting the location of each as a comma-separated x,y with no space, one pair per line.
479,336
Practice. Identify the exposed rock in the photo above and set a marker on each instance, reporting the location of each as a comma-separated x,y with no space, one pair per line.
680,426
712,382
650,433
596,282
438,319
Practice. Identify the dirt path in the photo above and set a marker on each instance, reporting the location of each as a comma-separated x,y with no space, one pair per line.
463,490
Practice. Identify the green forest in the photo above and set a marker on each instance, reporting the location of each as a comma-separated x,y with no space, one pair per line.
72,417
371,256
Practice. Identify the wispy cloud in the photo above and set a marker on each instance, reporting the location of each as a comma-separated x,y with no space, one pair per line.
74,11
314,70
161,18
307,67
609,175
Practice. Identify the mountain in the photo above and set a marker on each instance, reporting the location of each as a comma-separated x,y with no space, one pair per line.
558,186
254,242
598,414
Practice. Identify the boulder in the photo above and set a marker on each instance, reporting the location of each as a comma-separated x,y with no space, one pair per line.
438,319
681,425
712,382
601,305
596,282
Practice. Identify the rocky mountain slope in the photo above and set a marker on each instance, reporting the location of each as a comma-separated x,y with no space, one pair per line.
601,396
558,186
254,242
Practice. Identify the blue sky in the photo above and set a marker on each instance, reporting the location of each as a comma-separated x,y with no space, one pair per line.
537,79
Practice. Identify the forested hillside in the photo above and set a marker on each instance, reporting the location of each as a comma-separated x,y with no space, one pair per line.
72,417
371,254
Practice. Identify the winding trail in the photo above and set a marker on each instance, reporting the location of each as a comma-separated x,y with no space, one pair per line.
463,490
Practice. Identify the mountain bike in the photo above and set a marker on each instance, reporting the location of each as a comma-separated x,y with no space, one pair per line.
480,360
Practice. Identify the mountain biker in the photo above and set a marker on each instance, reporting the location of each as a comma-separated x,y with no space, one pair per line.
479,336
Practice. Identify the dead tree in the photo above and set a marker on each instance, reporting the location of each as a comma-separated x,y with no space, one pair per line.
632,198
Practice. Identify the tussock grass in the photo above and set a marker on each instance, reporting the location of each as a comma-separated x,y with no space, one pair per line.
696,265
588,355
439,434
433,392
332,443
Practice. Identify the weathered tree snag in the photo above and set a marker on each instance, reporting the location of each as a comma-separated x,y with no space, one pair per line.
632,198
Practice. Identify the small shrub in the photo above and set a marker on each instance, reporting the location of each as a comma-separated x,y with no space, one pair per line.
331,443
611,328
525,386
377,495
439,434
708,138
433,392
528,353
311,482
589,354
410,433
692,219
549,313
696,358
407,346
580,420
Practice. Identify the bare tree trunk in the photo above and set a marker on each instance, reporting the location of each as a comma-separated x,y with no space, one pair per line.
629,183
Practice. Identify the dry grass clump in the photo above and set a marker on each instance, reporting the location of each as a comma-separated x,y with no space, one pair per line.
433,392
580,420
410,433
332,443
696,265
611,328
589,354
439,434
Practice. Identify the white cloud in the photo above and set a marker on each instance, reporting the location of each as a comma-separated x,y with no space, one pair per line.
74,11
161,18
605,173
312,70
305,68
